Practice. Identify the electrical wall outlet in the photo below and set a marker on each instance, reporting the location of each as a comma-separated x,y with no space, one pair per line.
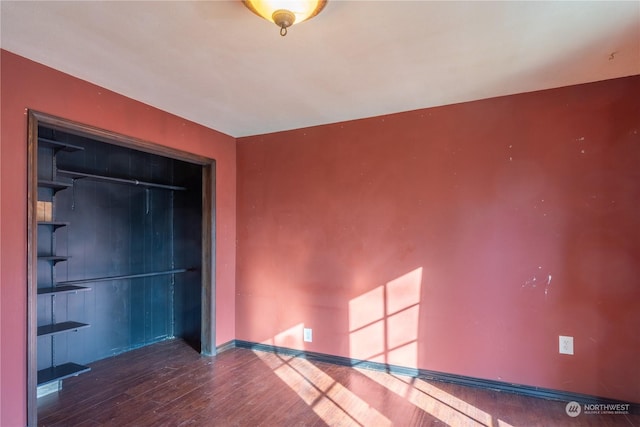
566,345
307,335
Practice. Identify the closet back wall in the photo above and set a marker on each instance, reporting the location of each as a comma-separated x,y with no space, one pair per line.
28,85
118,229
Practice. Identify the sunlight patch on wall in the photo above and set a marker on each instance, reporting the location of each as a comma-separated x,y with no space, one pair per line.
383,323
366,309
290,338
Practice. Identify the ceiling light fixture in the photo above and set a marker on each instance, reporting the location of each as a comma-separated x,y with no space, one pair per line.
285,13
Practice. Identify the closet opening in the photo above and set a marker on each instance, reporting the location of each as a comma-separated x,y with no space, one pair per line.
120,249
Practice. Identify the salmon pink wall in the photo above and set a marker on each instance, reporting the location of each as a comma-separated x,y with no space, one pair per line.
463,239
28,85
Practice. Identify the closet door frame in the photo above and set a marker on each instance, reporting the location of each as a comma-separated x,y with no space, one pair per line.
208,285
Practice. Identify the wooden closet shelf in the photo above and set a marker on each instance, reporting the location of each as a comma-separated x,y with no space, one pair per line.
53,259
55,185
54,224
66,289
58,328
60,372
58,145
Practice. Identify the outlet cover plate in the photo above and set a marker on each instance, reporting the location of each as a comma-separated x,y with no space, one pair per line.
307,334
566,344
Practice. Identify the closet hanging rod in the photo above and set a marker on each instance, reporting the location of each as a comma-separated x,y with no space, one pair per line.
78,175
127,276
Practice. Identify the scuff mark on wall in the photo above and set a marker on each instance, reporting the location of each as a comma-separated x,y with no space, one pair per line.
534,280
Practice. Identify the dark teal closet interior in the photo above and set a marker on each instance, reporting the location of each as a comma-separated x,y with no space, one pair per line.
119,253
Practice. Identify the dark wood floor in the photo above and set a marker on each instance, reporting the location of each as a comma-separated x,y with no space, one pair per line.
170,384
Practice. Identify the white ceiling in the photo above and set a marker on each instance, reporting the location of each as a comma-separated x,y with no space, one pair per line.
217,64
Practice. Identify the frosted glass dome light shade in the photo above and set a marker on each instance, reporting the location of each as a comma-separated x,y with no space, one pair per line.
285,13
